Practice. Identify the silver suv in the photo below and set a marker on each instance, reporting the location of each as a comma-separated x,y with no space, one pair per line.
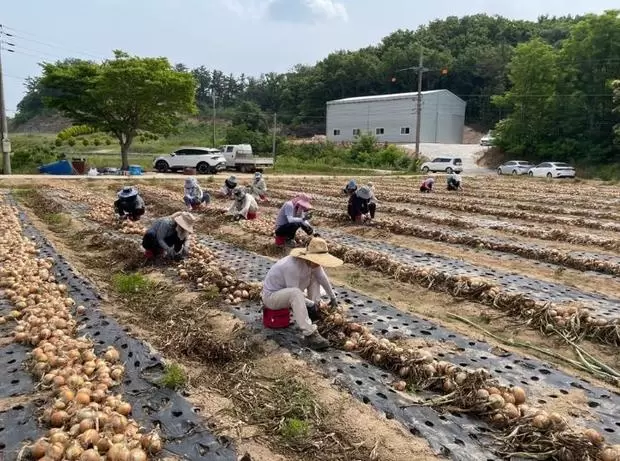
449,165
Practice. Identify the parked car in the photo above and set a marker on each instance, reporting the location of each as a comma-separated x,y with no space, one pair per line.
446,164
553,170
240,157
487,139
514,167
204,159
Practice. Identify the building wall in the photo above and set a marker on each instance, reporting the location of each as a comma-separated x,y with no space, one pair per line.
443,119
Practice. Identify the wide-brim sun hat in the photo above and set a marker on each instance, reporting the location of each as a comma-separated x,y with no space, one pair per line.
127,192
318,253
364,192
185,221
303,201
239,193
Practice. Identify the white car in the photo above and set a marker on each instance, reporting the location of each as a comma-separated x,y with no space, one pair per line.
204,159
514,167
449,165
487,139
553,170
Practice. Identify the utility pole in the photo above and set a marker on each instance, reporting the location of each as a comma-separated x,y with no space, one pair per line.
418,119
418,122
5,145
273,140
213,96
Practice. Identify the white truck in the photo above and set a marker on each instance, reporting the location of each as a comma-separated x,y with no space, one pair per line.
240,157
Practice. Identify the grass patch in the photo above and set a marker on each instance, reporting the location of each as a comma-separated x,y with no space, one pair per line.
54,219
22,194
129,284
174,377
294,430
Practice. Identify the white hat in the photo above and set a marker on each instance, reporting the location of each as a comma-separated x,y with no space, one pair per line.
364,192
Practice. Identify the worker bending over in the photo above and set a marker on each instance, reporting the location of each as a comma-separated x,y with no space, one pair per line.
293,215
350,188
454,181
259,187
194,196
360,207
129,204
244,206
295,282
228,188
169,237
427,185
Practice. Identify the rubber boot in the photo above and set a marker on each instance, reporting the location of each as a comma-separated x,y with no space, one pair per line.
316,342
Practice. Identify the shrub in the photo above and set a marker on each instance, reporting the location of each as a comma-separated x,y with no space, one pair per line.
76,130
85,142
29,158
96,141
58,142
108,141
142,139
71,142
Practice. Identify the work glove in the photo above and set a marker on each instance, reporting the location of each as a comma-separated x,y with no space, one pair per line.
307,228
308,216
170,253
314,311
333,303
237,217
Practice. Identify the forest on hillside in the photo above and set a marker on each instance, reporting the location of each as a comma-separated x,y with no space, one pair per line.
548,82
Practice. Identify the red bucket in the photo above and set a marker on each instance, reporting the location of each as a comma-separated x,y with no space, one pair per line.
280,240
276,318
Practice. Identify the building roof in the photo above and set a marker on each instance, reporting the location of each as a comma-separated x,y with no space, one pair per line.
387,97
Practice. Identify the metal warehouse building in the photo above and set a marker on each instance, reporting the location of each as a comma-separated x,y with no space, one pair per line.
392,117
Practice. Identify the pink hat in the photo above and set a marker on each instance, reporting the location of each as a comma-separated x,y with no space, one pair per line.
302,200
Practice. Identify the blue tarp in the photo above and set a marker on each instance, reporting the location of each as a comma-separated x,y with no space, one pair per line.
61,167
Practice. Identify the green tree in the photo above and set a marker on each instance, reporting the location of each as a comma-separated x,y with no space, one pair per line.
531,99
121,95
248,113
590,57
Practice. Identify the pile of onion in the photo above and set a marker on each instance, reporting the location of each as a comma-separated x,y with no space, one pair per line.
88,422
203,267
482,395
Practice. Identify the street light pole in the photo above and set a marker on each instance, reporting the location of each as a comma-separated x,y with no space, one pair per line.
273,139
213,96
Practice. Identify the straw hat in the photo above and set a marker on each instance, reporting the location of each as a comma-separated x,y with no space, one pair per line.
318,253
185,220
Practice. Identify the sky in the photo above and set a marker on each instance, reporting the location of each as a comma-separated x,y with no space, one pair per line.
238,36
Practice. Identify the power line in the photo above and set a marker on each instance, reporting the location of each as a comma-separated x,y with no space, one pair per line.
44,43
